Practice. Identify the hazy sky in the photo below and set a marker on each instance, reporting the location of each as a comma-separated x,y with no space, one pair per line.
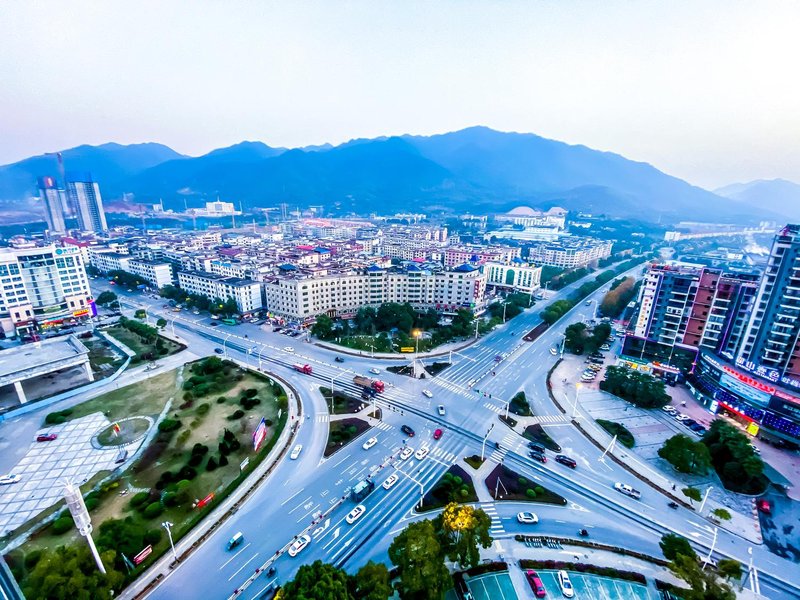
708,91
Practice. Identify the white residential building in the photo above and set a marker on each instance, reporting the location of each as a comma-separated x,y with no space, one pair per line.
157,273
245,292
518,276
570,253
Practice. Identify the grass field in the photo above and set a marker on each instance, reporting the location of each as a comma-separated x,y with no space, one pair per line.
135,343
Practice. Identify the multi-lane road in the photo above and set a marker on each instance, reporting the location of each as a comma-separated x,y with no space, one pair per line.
305,496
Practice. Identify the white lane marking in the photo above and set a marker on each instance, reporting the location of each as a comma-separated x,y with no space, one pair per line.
292,496
225,564
252,558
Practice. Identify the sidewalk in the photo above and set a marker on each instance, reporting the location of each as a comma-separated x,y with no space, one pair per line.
744,521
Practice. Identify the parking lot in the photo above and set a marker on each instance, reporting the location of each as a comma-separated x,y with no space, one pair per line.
492,586
594,587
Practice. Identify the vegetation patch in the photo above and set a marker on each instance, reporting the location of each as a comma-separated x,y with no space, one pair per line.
474,461
454,486
624,436
580,339
342,402
734,459
536,433
519,405
640,389
124,432
143,340
342,432
558,565
510,485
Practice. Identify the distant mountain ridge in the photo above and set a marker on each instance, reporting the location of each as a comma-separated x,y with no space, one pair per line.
776,195
475,169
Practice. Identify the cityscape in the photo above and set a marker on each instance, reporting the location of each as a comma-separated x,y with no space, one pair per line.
460,364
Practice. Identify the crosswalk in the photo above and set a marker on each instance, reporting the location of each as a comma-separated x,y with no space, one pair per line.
509,442
443,455
384,426
452,387
322,418
496,528
500,410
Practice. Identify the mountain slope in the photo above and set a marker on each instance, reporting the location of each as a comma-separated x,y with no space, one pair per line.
776,195
108,163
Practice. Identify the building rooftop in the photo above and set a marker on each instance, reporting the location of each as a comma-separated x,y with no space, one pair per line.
33,357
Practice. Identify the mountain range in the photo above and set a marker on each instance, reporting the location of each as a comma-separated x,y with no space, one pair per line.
475,169
775,195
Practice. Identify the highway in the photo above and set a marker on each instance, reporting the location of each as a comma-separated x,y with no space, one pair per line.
290,503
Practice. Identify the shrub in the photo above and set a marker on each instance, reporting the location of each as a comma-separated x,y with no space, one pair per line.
223,461
195,460
203,409
235,445
522,481
250,393
268,422
168,425
55,418
62,525
187,472
223,448
200,449
153,510
530,493
211,464
169,499
539,490
228,435
91,503
138,499
183,436
152,537
188,396
221,400
183,484
31,558
166,476
238,414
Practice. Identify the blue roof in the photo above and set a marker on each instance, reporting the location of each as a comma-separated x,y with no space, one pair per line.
321,250
373,268
287,267
465,268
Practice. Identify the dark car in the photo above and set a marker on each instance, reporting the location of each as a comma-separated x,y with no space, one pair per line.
46,437
536,584
566,460
698,429
218,350
689,423
536,447
407,430
339,359
214,324
538,456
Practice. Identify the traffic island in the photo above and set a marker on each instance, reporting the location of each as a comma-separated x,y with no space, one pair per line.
474,461
343,431
505,484
454,486
536,433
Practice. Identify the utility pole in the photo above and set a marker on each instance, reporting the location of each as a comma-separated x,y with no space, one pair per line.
705,497
483,446
167,525
711,551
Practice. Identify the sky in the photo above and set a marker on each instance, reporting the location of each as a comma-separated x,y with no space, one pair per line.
705,90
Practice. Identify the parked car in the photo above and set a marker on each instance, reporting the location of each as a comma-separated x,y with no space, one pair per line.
536,583
698,429
46,437
565,584
407,430
9,479
605,347
566,460
689,422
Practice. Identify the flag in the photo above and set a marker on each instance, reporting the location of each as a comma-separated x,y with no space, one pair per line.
259,435
116,427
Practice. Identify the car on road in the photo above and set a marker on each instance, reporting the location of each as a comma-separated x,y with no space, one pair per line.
370,443
427,393
237,539
339,359
355,514
605,347
536,583
624,488
214,324
406,453
536,447
375,371
46,437
527,517
553,351
299,544
296,451
565,584
763,505
421,453
195,312
289,349
538,456
566,460
9,479
407,430
440,409
437,434
390,481
218,350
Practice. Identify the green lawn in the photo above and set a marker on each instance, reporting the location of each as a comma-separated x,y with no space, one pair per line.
139,347
624,436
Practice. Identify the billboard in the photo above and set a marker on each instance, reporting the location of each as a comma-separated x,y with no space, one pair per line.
259,435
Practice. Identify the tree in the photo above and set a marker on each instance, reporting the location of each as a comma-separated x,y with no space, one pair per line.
637,388
419,557
105,298
730,569
575,338
161,323
123,536
703,583
323,327
519,405
70,573
365,320
140,313
733,458
672,545
371,582
692,493
721,514
318,581
461,530
686,455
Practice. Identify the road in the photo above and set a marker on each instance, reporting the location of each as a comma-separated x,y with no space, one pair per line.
290,502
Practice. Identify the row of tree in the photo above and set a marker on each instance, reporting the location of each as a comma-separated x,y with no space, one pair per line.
579,339
704,584
618,297
225,308
638,388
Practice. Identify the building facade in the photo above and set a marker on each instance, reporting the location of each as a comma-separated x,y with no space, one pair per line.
41,288
156,273
87,203
518,276
569,252
53,205
245,292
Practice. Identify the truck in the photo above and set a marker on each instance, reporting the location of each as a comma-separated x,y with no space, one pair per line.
303,369
367,383
361,490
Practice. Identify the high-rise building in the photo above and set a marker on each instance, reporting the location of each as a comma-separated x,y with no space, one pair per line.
53,204
87,203
771,345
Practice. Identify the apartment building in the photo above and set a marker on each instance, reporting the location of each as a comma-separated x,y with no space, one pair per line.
518,276
53,198
42,287
156,273
530,217
87,203
246,292
569,252
301,297
458,255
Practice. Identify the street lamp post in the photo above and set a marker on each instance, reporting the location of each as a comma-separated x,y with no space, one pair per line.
167,525
483,445
224,348
705,497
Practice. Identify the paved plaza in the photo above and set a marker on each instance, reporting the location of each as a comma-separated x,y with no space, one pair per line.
48,464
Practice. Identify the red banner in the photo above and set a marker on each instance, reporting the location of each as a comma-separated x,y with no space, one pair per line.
205,500
142,555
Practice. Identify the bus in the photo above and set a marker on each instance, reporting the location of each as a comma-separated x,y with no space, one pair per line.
229,321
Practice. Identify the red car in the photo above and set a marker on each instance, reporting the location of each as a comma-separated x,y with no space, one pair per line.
536,584
437,434
762,504
46,437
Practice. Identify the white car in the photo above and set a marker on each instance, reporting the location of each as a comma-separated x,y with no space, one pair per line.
375,371
288,349
9,479
407,452
390,481
605,347
440,409
299,545
681,417
565,584
627,490
355,514
370,443
421,453
527,517
668,408
553,351
427,393
296,451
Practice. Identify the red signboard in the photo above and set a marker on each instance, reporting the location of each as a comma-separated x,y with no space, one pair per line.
205,500
749,380
142,555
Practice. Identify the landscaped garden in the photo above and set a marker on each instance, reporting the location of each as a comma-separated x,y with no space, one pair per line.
143,340
342,432
624,436
536,433
513,486
192,462
454,486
